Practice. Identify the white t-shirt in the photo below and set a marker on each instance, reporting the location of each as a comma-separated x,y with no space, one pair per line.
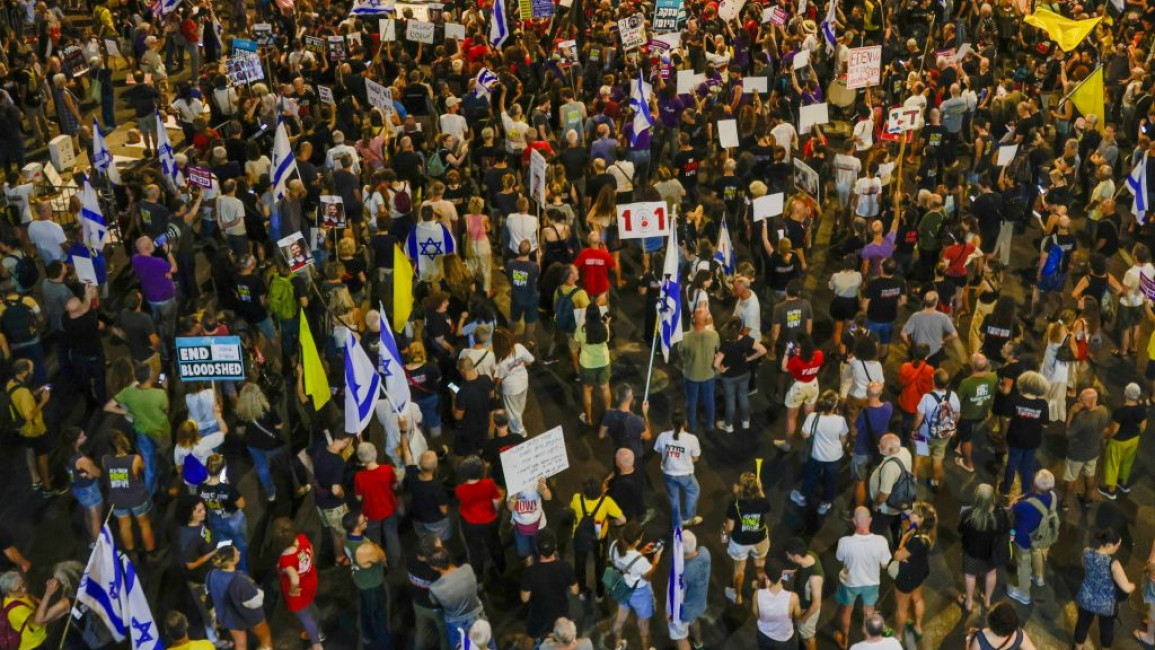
201,450
750,312
231,215
864,372
483,360
784,135
868,190
827,434
862,558
635,576
454,125
522,227
1134,296
864,131
48,236
678,455
526,508
885,643
388,419
846,169
512,373
18,195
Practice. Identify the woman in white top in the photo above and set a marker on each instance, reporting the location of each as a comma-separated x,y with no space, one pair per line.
203,408
636,570
527,512
191,453
776,609
679,450
861,368
511,376
827,431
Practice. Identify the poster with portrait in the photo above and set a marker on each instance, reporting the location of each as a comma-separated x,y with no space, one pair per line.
296,251
337,49
332,211
806,179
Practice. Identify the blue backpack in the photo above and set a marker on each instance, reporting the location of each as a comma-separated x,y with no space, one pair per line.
1054,258
194,471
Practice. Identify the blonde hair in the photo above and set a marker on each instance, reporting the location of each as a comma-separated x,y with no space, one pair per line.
252,404
346,247
748,486
187,434
476,205
415,353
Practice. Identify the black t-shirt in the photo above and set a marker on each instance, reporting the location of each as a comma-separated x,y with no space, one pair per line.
328,470
575,160
143,98
491,451
154,218
427,497
419,576
138,328
995,335
1029,417
548,584
523,282
382,244
474,399
1129,418
734,354
220,499
628,491
749,517
194,543
83,334
250,289
263,434
884,294
625,429
687,162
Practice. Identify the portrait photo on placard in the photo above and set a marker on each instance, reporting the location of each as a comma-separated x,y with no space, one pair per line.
296,251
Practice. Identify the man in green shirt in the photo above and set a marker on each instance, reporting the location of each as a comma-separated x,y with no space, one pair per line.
699,346
146,405
368,563
976,395
930,229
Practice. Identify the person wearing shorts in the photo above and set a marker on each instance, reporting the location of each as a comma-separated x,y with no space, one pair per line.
939,404
592,338
636,563
802,361
863,556
1087,423
523,295
746,531
809,578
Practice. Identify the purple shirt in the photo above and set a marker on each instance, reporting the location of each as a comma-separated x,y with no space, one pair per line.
606,149
154,281
875,253
643,142
670,110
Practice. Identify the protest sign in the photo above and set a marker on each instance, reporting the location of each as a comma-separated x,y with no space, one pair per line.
729,9
263,34
666,16
388,30
637,220
806,179
333,211
776,15
111,47
419,32
541,456
755,85
336,48
728,133
537,167
244,67
864,69
202,176
454,31
210,358
811,115
801,59
768,206
903,119
74,61
244,45
1006,154
632,32
296,251
379,95
315,45
325,94
542,8
85,271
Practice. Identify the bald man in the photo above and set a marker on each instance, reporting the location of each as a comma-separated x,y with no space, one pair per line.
930,327
625,486
1087,425
863,555
896,462
155,273
977,395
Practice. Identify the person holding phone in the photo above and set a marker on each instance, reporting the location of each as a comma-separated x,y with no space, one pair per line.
637,569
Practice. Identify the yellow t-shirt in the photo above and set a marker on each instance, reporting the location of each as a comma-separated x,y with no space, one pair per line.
199,644
24,402
608,510
19,618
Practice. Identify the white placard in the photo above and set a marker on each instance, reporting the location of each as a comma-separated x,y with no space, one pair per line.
755,85
379,95
672,40
637,220
541,456
768,206
388,29
419,32
729,9
633,32
537,169
455,31
864,68
903,119
728,133
801,59
85,271
325,94
813,114
685,82
963,51
112,47
1007,153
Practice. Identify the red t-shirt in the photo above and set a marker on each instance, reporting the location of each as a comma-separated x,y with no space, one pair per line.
476,501
594,265
303,563
375,488
804,371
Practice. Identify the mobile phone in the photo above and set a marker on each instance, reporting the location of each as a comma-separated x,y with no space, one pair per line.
161,241
454,387
659,545
163,377
788,575
47,386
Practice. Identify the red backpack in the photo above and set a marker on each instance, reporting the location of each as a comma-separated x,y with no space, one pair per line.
10,636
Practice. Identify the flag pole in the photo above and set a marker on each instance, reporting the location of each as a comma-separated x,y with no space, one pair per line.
1066,98
68,623
653,350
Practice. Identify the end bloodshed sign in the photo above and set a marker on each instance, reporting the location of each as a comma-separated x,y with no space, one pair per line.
210,358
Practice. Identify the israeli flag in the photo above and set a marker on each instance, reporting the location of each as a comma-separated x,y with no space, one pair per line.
112,589
640,102
1137,183
670,300
92,221
168,6
284,163
371,7
484,82
676,591
498,27
389,366
427,241
724,253
362,387
101,157
828,26
165,153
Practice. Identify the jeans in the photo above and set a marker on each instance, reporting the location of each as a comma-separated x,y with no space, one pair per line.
375,618
186,278
423,619
309,618
735,387
687,485
1022,461
263,460
699,391
385,530
266,328
641,160
290,334
147,448
828,470
234,529
430,406
164,313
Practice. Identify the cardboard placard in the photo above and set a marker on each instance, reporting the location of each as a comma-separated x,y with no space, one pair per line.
388,30
864,68
756,85
419,32
454,31
541,456
336,48
1006,154
202,176
729,9
801,59
210,358
806,179
811,115
379,95
325,94
632,31
728,133
296,251
666,16
768,206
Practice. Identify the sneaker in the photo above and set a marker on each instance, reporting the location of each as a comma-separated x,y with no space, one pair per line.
583,418
722,426
1018,596
782,445
692,521
745,424
731,595
824,507
1107,494
1038,582
797,498
754,392
1124,488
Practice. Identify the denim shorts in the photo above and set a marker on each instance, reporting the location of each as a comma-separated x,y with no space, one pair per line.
135,511
88,496
642,602
885,331
848,595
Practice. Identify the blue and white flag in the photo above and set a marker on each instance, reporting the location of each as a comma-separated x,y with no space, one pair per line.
640,102
1137,183
724,253
484,82
498,27
168,6
362,387
165,153
112,589
284,163
427,241
389,366
828,26
670,301
371,7
676,591
102,158
92,222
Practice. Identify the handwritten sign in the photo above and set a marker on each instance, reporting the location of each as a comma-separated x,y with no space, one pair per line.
637,220
325,94
633,32
539,457
379,95
454,31
864,68
666,16
419,32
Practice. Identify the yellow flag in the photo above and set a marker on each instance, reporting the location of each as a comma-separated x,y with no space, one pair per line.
1064,31
402,288
316,382
1088,97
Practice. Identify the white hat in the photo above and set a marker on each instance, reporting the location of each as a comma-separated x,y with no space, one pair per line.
451,102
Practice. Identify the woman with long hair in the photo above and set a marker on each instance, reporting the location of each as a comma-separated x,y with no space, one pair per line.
593,337
127,492
746,531
680,451
424,379
776,608
734,364
698,293
1003,630
996,327
987,300
84,479
602,217
1058,362
803,362
190,453
828,432
1104,580
913,558
479,253
263,437
512,376
637,569
915,379
983,528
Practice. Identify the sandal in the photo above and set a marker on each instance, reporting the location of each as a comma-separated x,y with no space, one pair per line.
962,463
961,601
1140,636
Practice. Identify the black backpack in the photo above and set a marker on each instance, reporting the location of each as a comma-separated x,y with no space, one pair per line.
10,418
585,536
18,322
